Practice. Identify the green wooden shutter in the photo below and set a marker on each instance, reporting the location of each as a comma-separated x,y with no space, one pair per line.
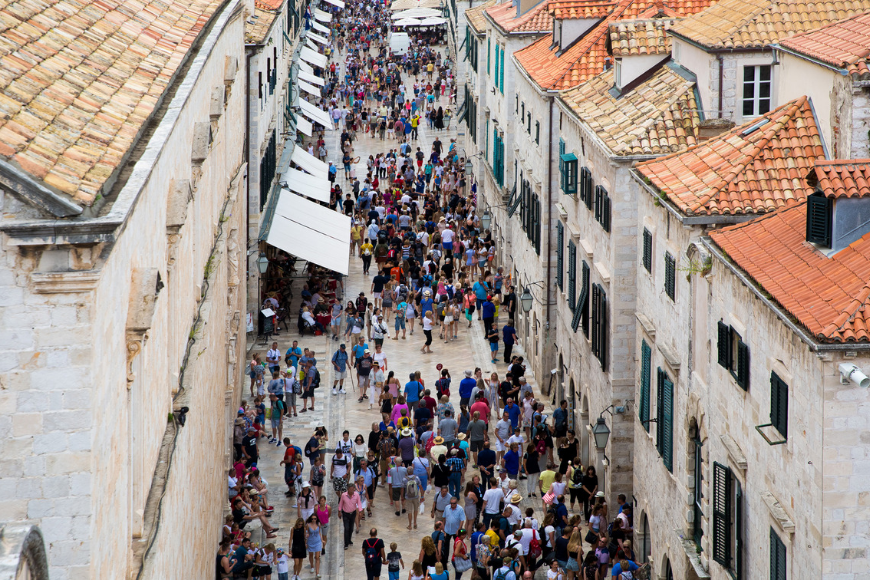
722,514
605,212
537,225
572,275
819,210
647,250
645,363
560,258
668,416
596,333
602,328
488,51
584,298
777,557
779,404
743,365
660,410
501,74
724,345
670,275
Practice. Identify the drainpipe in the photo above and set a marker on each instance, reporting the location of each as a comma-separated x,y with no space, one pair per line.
549,210
721,78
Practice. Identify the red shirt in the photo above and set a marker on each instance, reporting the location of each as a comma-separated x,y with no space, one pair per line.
430,403
289,454
483,408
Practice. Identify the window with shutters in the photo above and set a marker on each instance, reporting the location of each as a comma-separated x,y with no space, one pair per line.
560,258
733,354
537,239
645,364
819,218
517,104
665,419
779,404
537,132
583,303
572,275
586,187
501,74
488,53
697,492
599,324
602,207
727,520
647,250
670,276
568,162
777,557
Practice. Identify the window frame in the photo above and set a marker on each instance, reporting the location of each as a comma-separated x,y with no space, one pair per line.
671,276
733,354
572,275
645,379
778,557
647,250
665,418
756,83
779,404
727,520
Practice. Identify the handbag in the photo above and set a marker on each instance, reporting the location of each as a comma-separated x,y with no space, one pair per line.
591,537
461,564
535,546
548,498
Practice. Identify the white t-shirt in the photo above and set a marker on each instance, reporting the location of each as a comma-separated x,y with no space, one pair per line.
447,236
519,440
273,356
492,499
283,564
427,323
554,575
516,515
380,358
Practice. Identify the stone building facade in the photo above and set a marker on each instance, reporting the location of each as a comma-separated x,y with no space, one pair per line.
117,318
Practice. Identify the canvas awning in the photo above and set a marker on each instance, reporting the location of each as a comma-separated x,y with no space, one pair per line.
309,88
322,16
338,3
319,27
309,163
305,184
304,125
316,114
312,57
311,78
310,231
304,66
310,44
317,38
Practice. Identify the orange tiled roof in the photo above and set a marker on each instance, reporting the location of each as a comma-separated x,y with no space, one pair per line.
586,57
741,172
567,9
841,177
758,23
827,295
269,4
658,116
641,37
78,80
476,17
537,19
258,25
844,44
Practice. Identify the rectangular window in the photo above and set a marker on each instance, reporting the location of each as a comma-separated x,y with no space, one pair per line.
599,324
523,113
647,250
572,275
537,132
727,520
777,557
537,233
517,104
819,211
560,259
602,207
779,404
488,53
756,90
645,364
569,173
665,419
586,186
583,305
733,354
501,74
486,148
670,276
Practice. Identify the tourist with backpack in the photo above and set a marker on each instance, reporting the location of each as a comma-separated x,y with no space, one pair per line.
412,491
373,553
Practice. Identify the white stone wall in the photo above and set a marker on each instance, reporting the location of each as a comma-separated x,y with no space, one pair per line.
797,77
79,447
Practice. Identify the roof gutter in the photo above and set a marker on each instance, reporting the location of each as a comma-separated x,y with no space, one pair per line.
715,50
829,66
813,344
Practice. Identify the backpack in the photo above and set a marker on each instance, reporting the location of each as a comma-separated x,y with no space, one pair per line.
315,381
371,551
443,387
403,423
535,546
412,489
308,449
577,477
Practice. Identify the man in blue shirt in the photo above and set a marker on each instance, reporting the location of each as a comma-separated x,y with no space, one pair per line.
427,302
359,350
509,337
486,462
456,464
480,290
293,354
339,361
560,422
412,393
465,387
511,461
513,411
487,310
453,518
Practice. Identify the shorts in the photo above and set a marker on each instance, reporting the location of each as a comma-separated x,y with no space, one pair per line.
396,493
335,322
439,515
493,346
476,445
341,375
400,324
412,504
448,246
393,575
307,393
276,422
448,319
499,446
376,294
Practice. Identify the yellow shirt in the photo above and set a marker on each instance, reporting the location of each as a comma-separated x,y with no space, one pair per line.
493,537
356,232
547,478
366,249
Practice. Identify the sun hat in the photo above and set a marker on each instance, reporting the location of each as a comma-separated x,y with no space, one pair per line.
439,440
599,494
406,432
516,498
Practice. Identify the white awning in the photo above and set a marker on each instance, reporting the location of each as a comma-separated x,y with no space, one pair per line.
312,57
317,38
319,27
310,231
316,114
309,88
304,125
305,67
301,182
322,16
309,163
311,78
310,44
338,3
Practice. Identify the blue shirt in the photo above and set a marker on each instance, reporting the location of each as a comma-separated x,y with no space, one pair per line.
487,310
294,354
479,290
412,391
465,387
340,360
475,540
453,519
359,350
486,458
513,412
508,333
561,515
426,304
368,475
512,462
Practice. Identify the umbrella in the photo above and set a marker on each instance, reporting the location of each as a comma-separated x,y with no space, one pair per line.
408,22
434,21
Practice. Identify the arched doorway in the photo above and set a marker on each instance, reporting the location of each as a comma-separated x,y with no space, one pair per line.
645,540
668,571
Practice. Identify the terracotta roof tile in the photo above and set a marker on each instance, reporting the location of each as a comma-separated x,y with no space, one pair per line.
841,177
743,171
538,19
78,79
641,37
567,9
586,57
658,116
827,295
755,24
268,4
258,25
476,17
844,44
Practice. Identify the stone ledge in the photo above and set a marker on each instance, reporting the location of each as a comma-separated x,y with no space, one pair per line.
734,452
670,357
65,282
647,325
778,512
692,555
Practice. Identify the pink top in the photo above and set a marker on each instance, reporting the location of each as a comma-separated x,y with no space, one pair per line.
322,515
394,389
397,412
348,504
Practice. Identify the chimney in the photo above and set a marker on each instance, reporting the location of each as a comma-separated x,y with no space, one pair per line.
710,128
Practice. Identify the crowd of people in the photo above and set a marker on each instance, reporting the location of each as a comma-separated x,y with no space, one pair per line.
500,478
